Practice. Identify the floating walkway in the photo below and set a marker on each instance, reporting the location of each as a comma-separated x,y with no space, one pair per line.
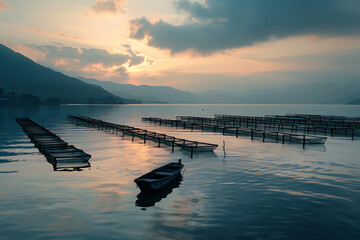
349,129
57,152
253,133
192,146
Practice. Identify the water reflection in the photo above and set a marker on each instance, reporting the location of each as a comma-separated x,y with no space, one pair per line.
75,164
8,171
261,191
148,199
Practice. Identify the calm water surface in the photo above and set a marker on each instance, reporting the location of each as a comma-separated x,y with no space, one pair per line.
258,191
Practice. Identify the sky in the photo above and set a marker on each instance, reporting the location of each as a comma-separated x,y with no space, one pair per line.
193,45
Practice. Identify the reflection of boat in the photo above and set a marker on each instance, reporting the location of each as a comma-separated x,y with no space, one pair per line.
159,177
148,199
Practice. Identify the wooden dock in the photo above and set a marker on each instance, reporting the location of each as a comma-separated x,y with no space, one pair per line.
191,146
264,135
57,152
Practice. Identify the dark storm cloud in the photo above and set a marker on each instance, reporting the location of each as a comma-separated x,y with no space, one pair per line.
217,25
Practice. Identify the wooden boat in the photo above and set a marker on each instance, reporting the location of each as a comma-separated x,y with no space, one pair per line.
160,177
149,199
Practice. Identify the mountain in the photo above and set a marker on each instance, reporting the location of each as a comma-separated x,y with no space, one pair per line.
146,93
221,97
354,102
22,75
320,92
326,92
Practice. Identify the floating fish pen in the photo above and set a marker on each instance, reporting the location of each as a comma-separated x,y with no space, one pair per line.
298,119
321,120
325,117
191,146
57,151
202,120
253,133
288,124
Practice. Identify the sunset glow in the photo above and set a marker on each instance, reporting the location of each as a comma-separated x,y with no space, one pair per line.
118,25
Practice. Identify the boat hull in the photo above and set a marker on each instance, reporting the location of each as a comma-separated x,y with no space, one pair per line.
149,182
156,185
150,198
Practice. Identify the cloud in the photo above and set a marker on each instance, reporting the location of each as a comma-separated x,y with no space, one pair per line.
344,60
214,25
108,6
56,35
199,82
3,6
92,62
136,58
336,66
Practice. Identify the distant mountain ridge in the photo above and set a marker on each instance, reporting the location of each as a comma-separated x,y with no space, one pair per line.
325,92
20,74
329,92
146,93
354,102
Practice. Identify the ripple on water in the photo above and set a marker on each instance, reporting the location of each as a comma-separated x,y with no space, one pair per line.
257,191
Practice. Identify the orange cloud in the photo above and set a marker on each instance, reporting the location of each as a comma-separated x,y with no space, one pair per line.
3,6
90,62
56,35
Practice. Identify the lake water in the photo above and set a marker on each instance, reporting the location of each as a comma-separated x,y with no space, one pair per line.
258,191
